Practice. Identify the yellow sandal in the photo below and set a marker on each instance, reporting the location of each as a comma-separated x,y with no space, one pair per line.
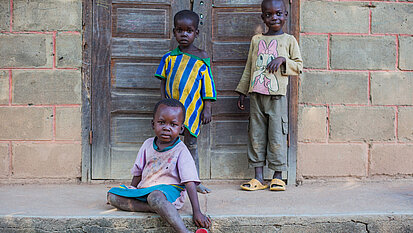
254,185
277,185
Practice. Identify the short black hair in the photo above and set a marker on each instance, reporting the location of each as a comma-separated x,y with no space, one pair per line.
171,103
187,14
267,1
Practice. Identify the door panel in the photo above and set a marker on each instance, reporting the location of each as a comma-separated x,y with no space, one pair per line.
136,35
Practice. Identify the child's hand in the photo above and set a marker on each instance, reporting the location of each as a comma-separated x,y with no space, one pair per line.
201,220
206,116
275,64
241,102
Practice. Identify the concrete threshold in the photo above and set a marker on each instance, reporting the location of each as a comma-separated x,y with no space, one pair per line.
382,206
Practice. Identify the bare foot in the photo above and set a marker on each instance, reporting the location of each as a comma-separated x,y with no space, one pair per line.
202,189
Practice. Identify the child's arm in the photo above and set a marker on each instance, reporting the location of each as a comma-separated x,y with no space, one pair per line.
135,181
163,96
199,219
206,112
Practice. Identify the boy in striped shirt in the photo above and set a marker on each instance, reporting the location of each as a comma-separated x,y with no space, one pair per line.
185,75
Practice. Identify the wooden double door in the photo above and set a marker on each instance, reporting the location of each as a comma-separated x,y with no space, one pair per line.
129,39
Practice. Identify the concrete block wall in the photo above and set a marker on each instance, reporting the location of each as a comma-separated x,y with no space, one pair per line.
40,90
356,92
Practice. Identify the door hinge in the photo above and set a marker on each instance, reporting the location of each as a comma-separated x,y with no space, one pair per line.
90,137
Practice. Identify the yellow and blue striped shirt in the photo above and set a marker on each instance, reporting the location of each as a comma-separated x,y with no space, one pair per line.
189,80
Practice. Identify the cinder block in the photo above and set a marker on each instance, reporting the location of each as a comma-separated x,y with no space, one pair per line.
332,160
350,17
392,18
4,87
363,52
391,159
312,124
361,124
68,123
405,124
69,50
405,52
392,88
43,160
46,87
26,50
26,123
5,15
47,15
334,87
314,51
4,160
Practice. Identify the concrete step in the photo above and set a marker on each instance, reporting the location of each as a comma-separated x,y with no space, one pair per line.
385,206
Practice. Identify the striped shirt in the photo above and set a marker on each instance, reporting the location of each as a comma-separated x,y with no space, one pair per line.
189,80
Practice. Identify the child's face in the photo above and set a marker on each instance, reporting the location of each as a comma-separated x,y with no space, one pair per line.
168,123
274,15
185,32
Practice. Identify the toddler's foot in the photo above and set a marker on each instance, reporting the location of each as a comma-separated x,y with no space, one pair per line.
202,189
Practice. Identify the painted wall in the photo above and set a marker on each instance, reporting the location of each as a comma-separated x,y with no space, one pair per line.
40,84
356,94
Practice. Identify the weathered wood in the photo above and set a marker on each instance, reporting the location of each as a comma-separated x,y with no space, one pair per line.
293,101
230,51
227,77
221,137
235,25
86,89
237,3
133,102
134,75
101,88
134,47
227,105
129,129
142,21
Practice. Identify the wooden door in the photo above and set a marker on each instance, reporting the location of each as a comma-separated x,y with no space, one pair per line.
130,38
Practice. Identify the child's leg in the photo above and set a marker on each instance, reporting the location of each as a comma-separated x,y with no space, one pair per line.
257,136
277,136
128,204
158,203
191,142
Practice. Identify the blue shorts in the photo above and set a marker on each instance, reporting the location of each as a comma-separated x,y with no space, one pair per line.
172,192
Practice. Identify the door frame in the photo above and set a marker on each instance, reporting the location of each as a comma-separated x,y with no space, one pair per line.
88,64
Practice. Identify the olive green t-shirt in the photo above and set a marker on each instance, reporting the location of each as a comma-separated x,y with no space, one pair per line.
263,50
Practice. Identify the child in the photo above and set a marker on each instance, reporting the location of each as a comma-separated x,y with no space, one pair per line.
186,76
272,57
163,170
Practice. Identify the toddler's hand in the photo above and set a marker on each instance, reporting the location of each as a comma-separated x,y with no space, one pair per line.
275,64
201,220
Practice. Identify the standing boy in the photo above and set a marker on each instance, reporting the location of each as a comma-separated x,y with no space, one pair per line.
186,76
272,57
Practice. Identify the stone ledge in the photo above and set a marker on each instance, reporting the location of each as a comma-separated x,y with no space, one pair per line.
274,223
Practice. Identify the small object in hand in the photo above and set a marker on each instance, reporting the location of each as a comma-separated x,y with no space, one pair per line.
201,230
